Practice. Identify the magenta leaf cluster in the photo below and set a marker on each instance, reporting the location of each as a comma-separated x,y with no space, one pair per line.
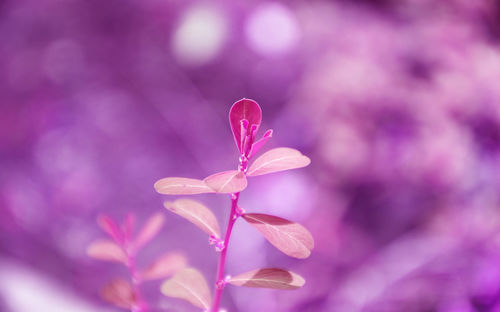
124,247
289,237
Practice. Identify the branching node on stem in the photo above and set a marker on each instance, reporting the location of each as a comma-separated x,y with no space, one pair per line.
239,212
222,283
219,243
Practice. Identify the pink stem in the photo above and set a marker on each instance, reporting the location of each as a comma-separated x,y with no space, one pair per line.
141,305
220,282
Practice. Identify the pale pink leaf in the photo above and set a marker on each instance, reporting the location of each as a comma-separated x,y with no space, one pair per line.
165,266
291,238
120,293
190,285
278,159
232,181
244,109
106,250
149,231
196,213
181,186
110,227
260,143
268,278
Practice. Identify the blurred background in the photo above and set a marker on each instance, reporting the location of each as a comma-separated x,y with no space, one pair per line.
397,103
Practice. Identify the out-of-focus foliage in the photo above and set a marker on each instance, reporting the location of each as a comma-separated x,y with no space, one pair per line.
397,104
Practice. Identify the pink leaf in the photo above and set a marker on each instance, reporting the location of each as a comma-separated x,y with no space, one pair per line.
278,159
260,143
244,109
181,186
119,293
189,285
149,231
232,181
128,226
268,278
110,227
291,238
196,213
166,265
106,250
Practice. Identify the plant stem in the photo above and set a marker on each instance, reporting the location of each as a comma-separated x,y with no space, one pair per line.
141,304
220,282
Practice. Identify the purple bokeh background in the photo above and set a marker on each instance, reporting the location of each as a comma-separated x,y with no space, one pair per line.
397,103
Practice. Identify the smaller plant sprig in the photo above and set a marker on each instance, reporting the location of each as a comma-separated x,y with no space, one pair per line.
289,237
124,248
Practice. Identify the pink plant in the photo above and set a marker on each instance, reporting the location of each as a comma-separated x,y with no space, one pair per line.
124,248
289,237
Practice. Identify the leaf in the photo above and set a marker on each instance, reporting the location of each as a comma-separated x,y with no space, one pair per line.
106,250
260,143
110,227
268,278
149,231
181,186
196,213
166,265
278,159
128,226
190,285
244,109
232,181
291,238
120,293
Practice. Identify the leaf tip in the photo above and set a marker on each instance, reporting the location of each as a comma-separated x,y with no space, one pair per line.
169,205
